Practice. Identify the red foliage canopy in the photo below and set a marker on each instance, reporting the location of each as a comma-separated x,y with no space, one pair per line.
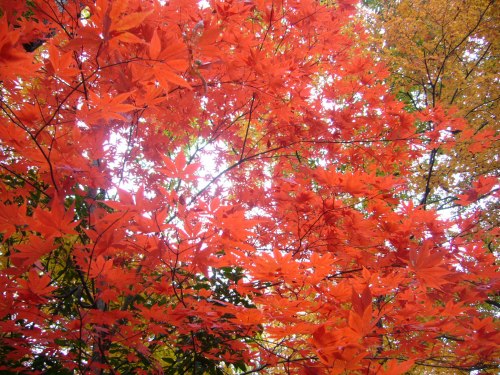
221,187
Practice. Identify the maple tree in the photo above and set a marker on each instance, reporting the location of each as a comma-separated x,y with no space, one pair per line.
442,58
222,188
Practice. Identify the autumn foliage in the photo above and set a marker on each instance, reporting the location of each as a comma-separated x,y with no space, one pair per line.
442,55
223,188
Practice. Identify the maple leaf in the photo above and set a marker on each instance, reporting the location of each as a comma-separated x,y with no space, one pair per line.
481,187
10,216
37,287
13,60
201,261
31,252
155,46
128,21
100,266
354,184
60,64
56,222
167,77
106,107
428,266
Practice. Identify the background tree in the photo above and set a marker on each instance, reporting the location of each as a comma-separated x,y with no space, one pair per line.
443,60
442,56
220,188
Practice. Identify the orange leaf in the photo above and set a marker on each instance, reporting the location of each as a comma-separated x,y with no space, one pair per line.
165,75
31,252
127,37
155,45
100,266
130,21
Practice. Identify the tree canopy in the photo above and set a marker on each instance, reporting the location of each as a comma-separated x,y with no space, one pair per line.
227,187
443,59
